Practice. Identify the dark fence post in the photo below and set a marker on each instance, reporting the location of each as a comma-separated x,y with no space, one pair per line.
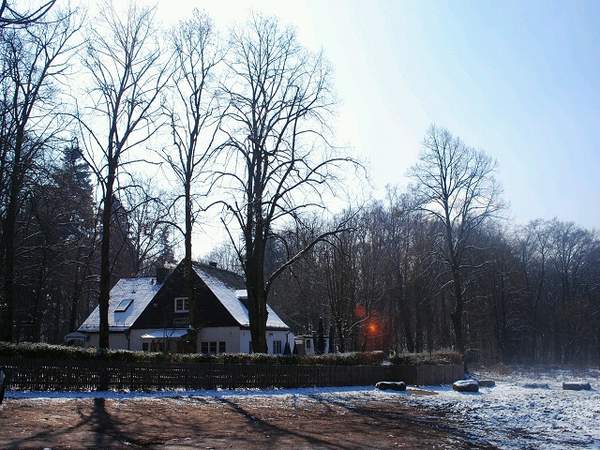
3,383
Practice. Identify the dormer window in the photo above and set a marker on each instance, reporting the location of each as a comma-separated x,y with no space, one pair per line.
181,305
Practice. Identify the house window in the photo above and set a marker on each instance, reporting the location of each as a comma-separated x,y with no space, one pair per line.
145,346
156,346
123,305
277,347
307,344
250,347
181,305
212,347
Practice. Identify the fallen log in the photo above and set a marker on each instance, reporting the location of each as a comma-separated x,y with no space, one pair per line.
391,385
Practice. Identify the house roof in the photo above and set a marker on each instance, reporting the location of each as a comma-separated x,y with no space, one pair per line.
140,290
230,290
227,286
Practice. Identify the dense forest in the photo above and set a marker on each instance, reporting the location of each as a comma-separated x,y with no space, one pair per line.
119,138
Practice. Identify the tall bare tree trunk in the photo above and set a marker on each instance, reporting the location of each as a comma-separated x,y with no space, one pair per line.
105,270
9,235
188,272
257,300
457,314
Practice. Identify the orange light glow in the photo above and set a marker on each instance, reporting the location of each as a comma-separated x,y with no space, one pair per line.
372,328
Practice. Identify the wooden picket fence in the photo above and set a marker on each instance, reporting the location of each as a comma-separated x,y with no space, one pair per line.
39,374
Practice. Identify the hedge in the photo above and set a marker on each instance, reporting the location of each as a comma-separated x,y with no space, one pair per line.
434,358
39,350
61,352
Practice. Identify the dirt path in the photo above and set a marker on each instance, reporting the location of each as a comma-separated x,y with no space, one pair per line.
253,423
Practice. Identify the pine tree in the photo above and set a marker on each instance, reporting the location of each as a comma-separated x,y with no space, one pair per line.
72,197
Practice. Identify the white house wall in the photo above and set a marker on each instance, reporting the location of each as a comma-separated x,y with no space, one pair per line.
245,341
229,335
236,340
116,341
283,336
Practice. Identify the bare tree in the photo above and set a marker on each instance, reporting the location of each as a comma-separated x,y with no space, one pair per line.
225,256
123,59
147,231
277,165
194,116
34,58
11,17
456,187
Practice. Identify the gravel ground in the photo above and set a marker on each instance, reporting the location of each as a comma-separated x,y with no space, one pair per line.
301,418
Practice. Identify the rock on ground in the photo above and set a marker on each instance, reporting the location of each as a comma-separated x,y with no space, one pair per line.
391,385
466,386
577,386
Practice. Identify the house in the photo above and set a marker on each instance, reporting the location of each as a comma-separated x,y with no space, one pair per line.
152,314
305,344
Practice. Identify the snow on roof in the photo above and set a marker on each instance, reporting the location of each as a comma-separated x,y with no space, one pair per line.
140,290
162,333
229,288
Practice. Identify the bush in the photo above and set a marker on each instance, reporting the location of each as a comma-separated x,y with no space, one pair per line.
434,358
60,352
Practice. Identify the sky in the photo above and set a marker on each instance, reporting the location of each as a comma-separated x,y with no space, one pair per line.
518,79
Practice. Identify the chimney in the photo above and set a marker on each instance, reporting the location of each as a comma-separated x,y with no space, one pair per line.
161,274
213,264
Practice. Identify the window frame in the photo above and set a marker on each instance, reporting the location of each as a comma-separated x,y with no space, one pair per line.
213,347
185,305
121,308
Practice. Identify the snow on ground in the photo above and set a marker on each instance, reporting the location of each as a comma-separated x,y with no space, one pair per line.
349,392
508,415
512,416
